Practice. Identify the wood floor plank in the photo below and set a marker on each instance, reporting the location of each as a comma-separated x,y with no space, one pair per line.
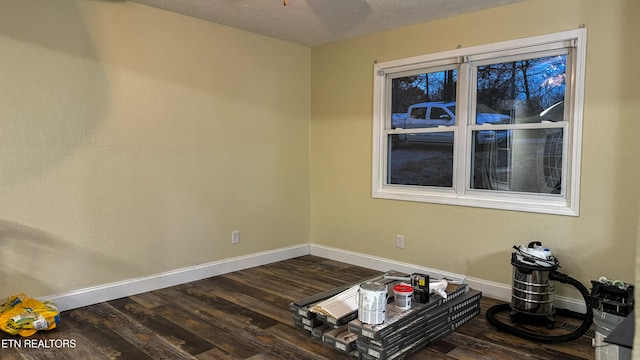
221,285
109,343
276,285
325,273
300,281
12,354
230,326
215,354
139,336
441,347
466,347
46,349
186,341
189,318
83,347
431,353
243,329
148,300
267,304
226,309
11,347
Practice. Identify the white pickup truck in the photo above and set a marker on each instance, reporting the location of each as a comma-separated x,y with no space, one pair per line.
439,114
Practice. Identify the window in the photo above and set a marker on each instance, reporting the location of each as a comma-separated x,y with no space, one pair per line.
496,126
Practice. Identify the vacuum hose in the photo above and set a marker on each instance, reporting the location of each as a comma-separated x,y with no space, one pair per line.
549,339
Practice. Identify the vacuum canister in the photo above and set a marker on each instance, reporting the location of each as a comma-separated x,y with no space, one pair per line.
533,292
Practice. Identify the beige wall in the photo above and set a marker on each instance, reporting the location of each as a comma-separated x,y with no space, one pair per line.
134,140
472,241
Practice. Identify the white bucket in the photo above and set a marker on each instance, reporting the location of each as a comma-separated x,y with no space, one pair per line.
372,303
402,294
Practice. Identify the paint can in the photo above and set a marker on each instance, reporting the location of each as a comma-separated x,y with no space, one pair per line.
402,294
372,303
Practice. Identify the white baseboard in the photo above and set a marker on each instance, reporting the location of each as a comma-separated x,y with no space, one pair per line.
116,290
489,288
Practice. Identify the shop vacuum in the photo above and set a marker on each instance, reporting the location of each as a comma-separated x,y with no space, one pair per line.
534,274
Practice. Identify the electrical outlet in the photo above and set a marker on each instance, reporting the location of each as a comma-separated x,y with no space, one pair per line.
235,237
400,241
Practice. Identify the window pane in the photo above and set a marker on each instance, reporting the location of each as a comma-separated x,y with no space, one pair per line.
518,92
424,100
518,160
426,164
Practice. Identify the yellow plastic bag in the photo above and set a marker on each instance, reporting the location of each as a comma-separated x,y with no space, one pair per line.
25,316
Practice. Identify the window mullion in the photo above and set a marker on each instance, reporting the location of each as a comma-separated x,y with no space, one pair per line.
463,156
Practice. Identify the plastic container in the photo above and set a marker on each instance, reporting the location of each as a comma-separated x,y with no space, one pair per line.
403,293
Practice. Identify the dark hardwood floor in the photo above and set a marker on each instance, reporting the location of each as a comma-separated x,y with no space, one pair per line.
245,315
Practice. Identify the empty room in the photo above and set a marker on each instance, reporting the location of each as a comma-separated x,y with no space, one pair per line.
174,175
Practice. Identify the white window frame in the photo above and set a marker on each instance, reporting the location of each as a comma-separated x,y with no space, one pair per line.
566,203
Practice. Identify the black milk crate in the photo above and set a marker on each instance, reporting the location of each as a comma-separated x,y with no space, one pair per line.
612,299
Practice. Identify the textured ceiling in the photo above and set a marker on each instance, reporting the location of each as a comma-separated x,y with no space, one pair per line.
317,22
